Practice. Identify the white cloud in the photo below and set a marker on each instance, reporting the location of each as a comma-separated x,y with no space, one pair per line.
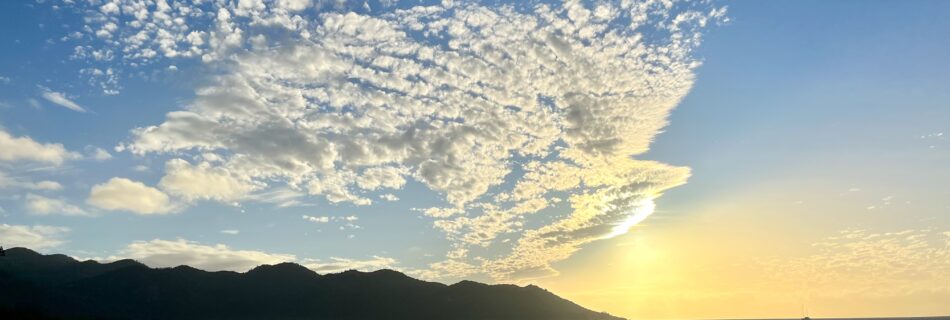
110,8
60,99
293,5
26,149
34,237
165,253
7,182
455,97
281,197
335,264
321,219
170,253
231,231
100,154
389,197
127,195
40,205
202,181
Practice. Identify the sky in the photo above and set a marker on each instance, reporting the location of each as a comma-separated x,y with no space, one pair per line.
649,159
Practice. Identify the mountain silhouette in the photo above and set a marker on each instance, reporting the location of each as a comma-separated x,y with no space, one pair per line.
36,286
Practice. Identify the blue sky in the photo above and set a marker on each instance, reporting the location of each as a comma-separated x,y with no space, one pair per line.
804,119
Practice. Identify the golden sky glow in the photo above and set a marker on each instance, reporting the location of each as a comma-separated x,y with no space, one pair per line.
746,259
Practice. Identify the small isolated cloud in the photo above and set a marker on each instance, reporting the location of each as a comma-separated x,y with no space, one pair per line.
33,237
127,195
26,149
60,99
230,231
33,103
389,197
321,219
99,154
164,253
40,205
335,264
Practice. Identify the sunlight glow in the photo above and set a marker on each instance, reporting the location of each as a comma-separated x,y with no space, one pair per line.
643,210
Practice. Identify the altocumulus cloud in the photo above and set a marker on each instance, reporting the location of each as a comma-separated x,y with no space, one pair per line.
884,264
564,95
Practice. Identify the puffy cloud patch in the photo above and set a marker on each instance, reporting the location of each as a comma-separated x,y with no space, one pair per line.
524,102
34,237
203,181
126,195
321,219
40,205
26,149
7,182
99,154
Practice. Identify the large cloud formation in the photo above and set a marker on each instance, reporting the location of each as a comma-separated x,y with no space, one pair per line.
502,109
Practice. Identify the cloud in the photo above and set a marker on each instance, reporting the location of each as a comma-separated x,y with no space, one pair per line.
26,149
170,253
863,262
60,99
100,154
40,205
34,237
500,110
202,181
127,195
342,264
231,231
282,197
7,182
322,219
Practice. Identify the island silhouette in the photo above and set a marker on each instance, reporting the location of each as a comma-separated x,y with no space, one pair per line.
37,286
